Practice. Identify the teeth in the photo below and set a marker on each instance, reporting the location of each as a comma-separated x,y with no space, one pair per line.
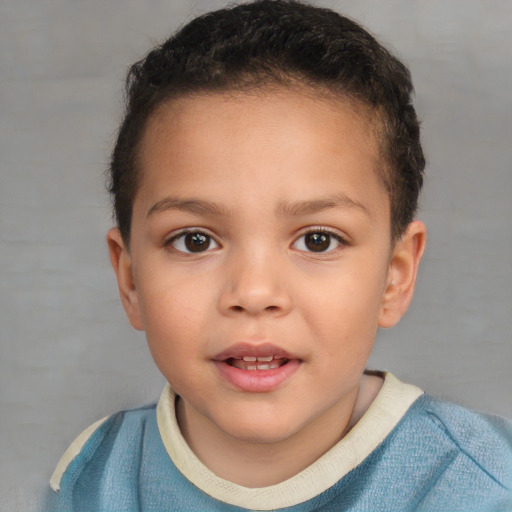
262,359
257,363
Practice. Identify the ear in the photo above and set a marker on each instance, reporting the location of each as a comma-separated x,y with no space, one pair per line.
122,264
402,272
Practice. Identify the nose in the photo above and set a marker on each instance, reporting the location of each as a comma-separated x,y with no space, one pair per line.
255,285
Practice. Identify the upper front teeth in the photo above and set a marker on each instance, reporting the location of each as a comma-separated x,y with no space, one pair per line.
263,359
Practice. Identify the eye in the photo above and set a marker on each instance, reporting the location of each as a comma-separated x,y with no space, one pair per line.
319,240
192,242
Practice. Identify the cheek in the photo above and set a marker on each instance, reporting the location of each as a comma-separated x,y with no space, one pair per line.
174,314
357,290
343,313
174,329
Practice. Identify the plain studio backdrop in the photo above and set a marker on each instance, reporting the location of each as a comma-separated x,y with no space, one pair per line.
68,356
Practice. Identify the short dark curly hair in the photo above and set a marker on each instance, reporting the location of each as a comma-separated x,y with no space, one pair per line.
276,42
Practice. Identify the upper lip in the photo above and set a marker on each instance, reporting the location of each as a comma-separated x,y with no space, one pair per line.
254,350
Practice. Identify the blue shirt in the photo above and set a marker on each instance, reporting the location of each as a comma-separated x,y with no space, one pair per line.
433,456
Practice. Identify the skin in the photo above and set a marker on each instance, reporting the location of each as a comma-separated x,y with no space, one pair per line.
277,164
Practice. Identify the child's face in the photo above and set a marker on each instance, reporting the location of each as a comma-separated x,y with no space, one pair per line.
260,229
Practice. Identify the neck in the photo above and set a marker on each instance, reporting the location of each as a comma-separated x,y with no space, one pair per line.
260,464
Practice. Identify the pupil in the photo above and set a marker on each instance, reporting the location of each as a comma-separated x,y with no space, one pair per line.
317,242
197,242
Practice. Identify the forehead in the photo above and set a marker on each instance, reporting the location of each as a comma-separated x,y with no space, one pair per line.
291,103
245,144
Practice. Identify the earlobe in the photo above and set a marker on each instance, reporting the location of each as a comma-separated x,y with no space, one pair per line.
402,272
122,264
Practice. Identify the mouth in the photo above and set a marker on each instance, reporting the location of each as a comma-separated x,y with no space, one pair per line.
256,368
251,363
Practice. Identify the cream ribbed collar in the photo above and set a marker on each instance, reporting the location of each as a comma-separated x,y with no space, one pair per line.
390,405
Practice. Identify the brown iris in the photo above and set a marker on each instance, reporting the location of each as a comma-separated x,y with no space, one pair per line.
317,242
197,242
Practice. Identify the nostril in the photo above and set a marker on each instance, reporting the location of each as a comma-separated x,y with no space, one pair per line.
240,309
254,300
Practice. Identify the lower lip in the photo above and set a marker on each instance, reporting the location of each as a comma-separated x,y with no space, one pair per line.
257,381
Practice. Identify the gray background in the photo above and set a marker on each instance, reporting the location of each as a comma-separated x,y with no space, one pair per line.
68,357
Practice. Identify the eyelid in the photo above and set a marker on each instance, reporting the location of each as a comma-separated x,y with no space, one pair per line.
336,233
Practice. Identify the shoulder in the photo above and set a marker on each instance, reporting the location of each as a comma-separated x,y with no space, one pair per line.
482,443
442,456
111,435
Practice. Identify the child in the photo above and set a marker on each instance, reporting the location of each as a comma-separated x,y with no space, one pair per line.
265,181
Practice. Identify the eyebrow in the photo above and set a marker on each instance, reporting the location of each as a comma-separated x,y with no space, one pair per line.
284,208
189,204
297,208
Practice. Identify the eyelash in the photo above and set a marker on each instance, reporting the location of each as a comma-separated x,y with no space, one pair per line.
181,235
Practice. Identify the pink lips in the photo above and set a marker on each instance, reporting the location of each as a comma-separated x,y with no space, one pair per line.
249,367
